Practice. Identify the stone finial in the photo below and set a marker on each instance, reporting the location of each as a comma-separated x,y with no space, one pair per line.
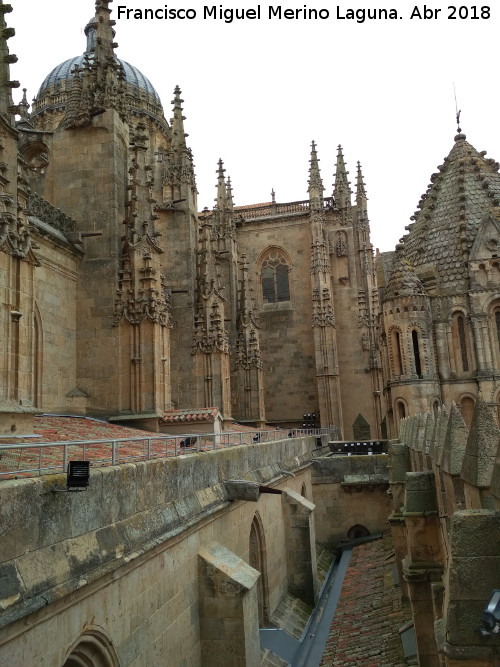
455,442
6,85
481,448
316,188
178,133
342,190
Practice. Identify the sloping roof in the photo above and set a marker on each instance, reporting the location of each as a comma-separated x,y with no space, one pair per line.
189,416
403,280
450,213
364,631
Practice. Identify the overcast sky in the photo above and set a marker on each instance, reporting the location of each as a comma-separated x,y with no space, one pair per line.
257,92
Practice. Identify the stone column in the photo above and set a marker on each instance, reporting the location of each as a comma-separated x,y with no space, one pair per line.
229,621
472,574
442,351
423,564
300,546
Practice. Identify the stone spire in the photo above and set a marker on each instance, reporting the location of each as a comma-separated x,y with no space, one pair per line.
100,84
210,331
229,195
224,226
342,190
316,188
141,294
319,247
361,198
178,133
6,59
220,200
105,45
247,346
179,169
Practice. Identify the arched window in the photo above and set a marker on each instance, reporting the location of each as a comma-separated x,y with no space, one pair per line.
275,282
94,649
466,405
495,335
397,354
257,559
416,352
461,343
401,413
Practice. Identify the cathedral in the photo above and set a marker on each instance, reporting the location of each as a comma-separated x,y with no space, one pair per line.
122,300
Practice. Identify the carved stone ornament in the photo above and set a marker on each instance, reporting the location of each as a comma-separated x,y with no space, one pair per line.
322,315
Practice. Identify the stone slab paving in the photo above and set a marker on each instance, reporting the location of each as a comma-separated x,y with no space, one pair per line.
364,631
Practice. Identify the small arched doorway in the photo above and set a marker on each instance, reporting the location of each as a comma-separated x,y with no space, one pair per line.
257,559
357,531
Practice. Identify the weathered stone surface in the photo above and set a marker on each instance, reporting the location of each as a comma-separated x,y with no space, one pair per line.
482,447
455,443
420,492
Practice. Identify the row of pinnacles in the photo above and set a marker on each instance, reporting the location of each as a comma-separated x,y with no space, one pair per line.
445,486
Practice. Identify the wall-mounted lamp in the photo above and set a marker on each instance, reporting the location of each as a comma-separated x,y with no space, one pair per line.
77,476
491,615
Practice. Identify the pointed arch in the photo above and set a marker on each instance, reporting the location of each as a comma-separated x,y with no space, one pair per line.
466,404
37,357
396,352
274,267
461,341
258,560
92,649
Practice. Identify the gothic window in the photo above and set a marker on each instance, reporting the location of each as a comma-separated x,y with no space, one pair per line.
466,405
257,559
401,412
92,648
461,343
275,283
416,352
397,355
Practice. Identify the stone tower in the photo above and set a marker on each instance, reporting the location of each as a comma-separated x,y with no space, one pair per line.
440,292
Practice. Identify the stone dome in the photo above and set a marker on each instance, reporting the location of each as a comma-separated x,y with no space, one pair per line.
53,93
133,76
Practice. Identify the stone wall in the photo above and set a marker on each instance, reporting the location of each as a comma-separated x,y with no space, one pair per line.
445,487
349,491
120,563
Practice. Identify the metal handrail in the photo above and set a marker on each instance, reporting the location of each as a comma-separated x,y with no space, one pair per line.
147,448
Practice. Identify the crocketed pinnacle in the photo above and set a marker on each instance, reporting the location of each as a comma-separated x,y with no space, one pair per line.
178,134
315,183
105,45
221,186
342,191
361,198
229,195
6,59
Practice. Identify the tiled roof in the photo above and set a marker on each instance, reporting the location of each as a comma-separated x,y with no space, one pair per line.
450,213
403,280
61,429
364,631
189,416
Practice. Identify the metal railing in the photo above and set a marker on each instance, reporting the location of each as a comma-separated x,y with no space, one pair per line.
44,458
